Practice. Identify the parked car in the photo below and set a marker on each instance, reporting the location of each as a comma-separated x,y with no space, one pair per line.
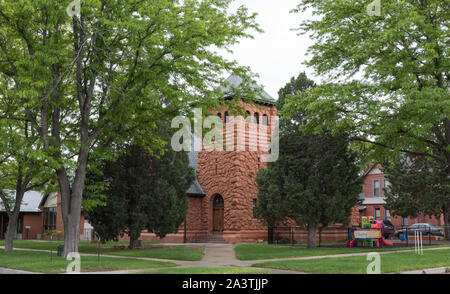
387,229
425,228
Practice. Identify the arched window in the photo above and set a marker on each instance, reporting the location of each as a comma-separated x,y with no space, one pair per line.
248,116
218,201
256,118
265,121
227,118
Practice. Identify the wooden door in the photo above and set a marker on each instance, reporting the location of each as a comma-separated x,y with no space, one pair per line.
218,219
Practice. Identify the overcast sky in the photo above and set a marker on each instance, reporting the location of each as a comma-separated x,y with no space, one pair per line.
278,53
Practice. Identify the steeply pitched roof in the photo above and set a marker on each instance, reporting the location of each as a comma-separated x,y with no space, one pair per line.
236,81
30,202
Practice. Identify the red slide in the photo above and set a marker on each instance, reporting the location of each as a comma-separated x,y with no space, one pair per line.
387,243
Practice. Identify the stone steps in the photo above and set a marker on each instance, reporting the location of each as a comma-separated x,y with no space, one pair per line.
213,238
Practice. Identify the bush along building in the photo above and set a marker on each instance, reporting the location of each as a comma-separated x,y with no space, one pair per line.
372,200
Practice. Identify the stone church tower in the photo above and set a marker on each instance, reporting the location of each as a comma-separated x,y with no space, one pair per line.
224,195
225,209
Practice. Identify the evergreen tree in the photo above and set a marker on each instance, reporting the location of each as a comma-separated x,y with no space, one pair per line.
144,192
314,181
299,84
418,187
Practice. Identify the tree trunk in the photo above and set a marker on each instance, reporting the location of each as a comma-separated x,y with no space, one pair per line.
11,232
71,198
72,228
132,242
71,234
320,236
270,234
312,231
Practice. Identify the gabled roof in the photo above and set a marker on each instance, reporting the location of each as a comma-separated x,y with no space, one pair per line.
235,82
30,202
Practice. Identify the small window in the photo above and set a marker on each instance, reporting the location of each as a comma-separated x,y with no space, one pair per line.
256,118
254,208
227,117
386,185
20,224
50,218
220,116
377,213
376,188
387,214
265,120
404,221
248,116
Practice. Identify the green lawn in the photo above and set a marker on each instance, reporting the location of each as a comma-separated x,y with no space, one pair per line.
176,252
265,251
390,263
207,270
41,262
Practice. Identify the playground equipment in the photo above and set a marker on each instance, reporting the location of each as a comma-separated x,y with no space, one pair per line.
369,234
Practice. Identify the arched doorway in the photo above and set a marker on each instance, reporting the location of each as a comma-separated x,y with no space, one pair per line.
218,206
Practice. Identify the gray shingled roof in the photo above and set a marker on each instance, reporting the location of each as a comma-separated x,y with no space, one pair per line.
30,202
195,188
236,81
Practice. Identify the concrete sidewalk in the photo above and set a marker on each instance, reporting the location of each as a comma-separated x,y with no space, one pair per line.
8,271
223,255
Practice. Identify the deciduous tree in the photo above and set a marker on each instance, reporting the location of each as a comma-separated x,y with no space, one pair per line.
110,73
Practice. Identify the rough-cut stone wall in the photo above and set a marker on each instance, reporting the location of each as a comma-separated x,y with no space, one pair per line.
232,174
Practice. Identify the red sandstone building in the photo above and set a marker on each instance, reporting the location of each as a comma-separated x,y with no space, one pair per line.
223,198
372,200
39,214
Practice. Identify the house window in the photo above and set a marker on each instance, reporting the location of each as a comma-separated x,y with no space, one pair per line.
50,218
387,214
256,118
377,213
376,188
404,221
220,116
386,185
248,116
265,121
20,224
254,208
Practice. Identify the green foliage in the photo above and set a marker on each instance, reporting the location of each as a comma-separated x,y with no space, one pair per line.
314,181
295,86
417,187
143,192
112,75
285,240
388,76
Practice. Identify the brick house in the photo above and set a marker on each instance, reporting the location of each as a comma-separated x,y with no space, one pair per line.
372,200
39,213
